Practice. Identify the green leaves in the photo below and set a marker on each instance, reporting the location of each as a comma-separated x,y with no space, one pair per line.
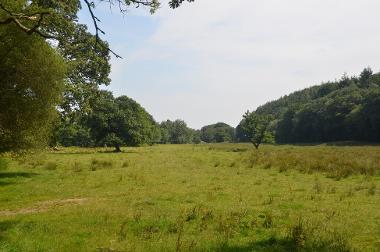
217,133
255,127
177,132
31,85
344,110
121,118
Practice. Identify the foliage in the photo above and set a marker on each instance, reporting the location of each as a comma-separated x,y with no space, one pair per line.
344,110
177,132
69,133
31,84
217,133
120,121
255,127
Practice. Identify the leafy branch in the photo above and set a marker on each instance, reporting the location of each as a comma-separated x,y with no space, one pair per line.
20,18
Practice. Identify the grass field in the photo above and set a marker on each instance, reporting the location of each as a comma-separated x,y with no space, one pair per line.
222,197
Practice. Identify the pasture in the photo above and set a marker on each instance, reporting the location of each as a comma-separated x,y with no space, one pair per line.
212,197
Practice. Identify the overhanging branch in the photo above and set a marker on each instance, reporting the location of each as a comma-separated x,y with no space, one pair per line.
18,18
90,6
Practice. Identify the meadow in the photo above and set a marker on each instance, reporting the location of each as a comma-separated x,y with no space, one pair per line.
207,197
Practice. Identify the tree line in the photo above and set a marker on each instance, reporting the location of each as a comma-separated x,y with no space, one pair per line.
343,110
121,121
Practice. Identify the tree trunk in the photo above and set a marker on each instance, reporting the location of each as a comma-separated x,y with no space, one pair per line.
117,148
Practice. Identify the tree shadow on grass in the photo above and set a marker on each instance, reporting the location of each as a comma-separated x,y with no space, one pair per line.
17,174
337,144
111,151
285,245
11,176
3,183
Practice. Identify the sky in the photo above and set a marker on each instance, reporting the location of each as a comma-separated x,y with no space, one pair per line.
212,60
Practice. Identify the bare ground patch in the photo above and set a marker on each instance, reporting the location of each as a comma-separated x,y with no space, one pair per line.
45,206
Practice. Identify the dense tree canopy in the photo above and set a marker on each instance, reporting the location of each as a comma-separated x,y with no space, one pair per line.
120,121
217,133
31,83
177,132
344,110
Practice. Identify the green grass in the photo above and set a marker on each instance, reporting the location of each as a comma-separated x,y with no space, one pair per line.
222,197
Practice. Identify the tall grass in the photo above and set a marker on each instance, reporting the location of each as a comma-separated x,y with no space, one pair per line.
335,162
192,198
3,164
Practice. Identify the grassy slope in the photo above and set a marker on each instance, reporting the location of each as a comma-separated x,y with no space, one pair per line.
205,197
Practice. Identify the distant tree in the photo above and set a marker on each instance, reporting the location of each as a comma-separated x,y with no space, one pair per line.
217,133
120,121
197,136
365,76
255,127
177,132
344,81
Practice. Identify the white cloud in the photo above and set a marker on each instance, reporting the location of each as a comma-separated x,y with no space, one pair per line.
236,55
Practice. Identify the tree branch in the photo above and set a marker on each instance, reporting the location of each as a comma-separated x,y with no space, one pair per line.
17,17
38,17
95,20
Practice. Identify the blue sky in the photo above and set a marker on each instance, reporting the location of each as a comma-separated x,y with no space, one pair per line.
211,60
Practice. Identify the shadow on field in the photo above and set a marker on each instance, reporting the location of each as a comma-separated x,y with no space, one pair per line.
5,183
13,175
285,245
5,226
17,174
271,244
74,153
352,144
342,144
97,152
121,152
